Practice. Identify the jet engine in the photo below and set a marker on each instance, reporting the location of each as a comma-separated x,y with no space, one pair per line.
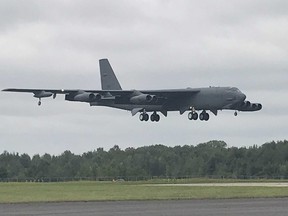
142,98
87,97
248,106
42,94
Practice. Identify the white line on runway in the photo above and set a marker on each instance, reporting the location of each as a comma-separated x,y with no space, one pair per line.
238,184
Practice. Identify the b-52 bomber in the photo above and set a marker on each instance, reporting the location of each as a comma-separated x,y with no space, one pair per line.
206,99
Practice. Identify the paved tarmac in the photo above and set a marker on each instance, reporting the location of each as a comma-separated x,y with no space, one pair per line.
231,207
236,184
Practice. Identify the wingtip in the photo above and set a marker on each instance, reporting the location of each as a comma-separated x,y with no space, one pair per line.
8,89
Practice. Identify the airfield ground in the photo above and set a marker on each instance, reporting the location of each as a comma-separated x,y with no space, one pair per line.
123,191
215,207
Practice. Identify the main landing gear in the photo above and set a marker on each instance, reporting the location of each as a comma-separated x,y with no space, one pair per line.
193,115
204,116
155,117
145,117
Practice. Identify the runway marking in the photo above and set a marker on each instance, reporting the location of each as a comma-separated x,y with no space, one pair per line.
238,184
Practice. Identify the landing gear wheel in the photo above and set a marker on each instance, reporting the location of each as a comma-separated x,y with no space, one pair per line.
195,116
235,113
144,117
155,117
204,116
39,102
141,117
192,116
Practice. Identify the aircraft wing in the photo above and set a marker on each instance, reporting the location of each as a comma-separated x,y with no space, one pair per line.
136,97
57,91
162,93
67,91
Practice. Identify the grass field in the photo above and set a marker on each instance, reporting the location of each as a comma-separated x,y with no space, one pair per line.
104,191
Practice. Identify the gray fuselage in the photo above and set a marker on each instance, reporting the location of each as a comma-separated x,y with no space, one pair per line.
211,98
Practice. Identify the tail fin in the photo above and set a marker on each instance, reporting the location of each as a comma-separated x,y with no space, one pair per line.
108,79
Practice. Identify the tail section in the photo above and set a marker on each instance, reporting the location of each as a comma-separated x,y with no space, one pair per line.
108,79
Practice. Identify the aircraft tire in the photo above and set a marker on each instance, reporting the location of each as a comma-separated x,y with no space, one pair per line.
202,116
152,117
157,118
190,116
141,117
146,117
195,116
206,117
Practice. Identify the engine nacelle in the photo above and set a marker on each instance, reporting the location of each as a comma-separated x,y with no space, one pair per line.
87,97
42,94
97,97
142,99
247,106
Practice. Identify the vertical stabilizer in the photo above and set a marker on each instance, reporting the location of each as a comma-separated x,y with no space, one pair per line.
108,79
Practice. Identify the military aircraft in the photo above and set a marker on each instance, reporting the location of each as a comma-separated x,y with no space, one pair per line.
206,99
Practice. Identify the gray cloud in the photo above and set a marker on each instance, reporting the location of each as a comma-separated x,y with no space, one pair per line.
151,45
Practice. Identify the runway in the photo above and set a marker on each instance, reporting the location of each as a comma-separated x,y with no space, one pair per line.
236,184
231,207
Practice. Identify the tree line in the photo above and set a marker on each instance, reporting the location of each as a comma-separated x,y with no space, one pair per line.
213,158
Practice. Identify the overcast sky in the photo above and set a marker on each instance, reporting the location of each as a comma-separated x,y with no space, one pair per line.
150,44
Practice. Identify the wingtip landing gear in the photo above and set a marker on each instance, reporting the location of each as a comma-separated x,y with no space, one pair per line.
235,113
39,102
